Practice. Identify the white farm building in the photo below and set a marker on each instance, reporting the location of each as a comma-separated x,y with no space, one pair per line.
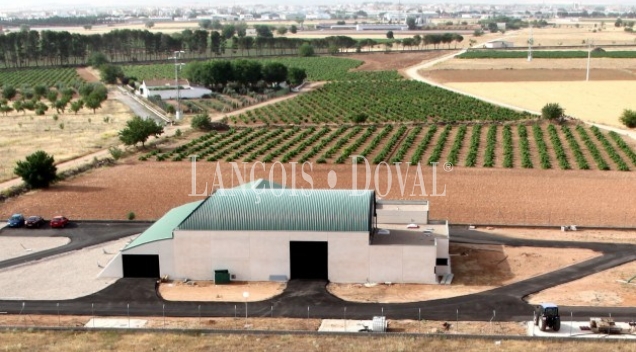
261,231
167,89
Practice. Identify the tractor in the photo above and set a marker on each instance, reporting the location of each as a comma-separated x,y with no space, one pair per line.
546,315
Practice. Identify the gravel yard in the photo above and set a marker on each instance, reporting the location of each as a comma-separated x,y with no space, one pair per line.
67,276
13,247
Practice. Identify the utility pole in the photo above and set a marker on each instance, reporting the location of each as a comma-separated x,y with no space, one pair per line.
530,42
177,67
589,57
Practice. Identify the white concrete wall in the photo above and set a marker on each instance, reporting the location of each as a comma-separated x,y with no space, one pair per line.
391,216
442,252
163,248
401,264
256,255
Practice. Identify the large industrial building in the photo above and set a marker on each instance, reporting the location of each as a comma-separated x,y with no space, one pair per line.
261,231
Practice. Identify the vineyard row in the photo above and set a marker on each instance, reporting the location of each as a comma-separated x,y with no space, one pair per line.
537,146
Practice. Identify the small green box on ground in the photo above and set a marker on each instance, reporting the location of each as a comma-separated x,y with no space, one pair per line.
221,277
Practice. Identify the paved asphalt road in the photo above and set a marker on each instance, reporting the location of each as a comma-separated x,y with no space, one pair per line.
138,297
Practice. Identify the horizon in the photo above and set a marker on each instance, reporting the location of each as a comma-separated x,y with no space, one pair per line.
34,5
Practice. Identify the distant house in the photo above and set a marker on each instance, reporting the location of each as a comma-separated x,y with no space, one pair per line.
497,44
167,89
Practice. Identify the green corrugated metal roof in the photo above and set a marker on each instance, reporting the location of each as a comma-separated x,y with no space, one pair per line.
259,184
241,209
162,228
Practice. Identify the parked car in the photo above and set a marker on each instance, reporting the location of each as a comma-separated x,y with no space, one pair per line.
59,221
16,220
34,221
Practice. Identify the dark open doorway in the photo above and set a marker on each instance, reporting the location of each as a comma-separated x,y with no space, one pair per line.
308,260
140,265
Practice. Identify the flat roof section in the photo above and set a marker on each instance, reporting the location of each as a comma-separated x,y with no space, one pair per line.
400,235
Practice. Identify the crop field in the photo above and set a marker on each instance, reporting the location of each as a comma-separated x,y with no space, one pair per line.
507,54
41,76
317,68
542,146
395,101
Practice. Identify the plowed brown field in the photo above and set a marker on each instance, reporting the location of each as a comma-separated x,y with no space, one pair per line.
499,196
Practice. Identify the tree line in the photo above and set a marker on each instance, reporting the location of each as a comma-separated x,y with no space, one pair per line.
246,74
30,48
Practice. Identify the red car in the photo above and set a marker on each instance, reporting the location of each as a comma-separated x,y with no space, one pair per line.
59,221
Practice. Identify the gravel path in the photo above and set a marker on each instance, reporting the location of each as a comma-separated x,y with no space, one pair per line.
13,247
66,276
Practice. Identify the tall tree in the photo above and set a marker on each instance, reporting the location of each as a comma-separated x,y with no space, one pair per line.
138,130
274,72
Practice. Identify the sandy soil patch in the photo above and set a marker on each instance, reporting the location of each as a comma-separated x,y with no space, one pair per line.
65,138
207,291
526,75
596,101
517,196
566,35
13,247
603,289
517,64
606,236
88,74
67,276
476,268
393,60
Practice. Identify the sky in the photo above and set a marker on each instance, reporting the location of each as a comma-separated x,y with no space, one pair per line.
61,4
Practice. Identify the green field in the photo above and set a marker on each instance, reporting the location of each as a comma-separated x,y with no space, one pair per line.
317,68
537,54
384,101
39,76
542,146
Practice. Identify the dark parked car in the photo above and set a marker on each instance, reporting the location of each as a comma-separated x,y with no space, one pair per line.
16,220
59,221
34,221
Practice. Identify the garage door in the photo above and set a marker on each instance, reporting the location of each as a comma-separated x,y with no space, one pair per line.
308,260
141,265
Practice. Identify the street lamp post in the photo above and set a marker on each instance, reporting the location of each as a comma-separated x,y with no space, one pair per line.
246,295
177,66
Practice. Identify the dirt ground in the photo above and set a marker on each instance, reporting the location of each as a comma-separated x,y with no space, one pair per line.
267,323
569,34
66,137
503,265
207,291
503,66
555,234
88,74
393,60
531,85
604,289
517,196
527,75
595,101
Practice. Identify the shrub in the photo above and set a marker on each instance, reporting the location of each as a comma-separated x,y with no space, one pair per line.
38,170
628,118
552,112
201,122
359,117
178,133
306,50
116,153
131,216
